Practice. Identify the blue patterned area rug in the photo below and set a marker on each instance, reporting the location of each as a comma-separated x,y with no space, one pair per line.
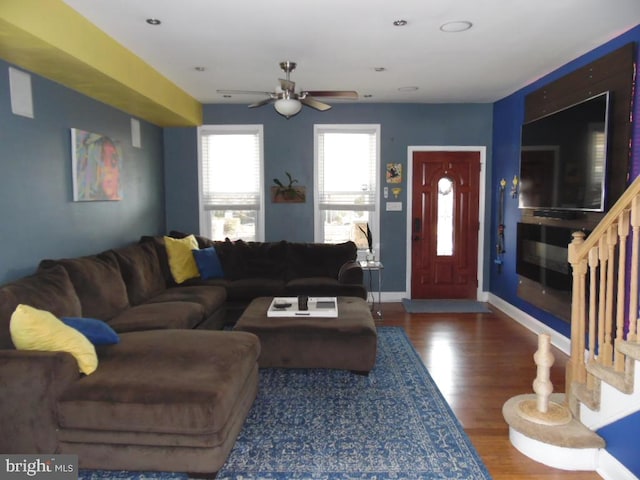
331,425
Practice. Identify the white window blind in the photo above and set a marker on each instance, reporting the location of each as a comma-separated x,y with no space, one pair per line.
346,169
346,193
231,170
231,182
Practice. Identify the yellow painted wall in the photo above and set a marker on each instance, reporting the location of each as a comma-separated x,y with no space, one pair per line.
51,39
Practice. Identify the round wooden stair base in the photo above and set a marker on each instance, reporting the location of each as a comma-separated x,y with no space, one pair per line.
555,415
567,446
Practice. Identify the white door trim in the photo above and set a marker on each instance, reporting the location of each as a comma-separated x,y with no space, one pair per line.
481,206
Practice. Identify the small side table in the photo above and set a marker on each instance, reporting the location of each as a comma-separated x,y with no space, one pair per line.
374,266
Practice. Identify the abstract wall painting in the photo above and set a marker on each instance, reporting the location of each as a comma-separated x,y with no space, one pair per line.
97,167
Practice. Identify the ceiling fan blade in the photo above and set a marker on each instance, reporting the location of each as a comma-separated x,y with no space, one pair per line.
287,85
333,93
313,103
242,92
261,103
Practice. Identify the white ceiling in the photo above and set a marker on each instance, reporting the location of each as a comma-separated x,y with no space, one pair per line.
337,44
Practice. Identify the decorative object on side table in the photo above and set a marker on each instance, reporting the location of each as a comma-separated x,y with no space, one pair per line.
289,193
368,235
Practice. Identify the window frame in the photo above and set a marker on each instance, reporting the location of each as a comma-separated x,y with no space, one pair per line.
257,129
374,223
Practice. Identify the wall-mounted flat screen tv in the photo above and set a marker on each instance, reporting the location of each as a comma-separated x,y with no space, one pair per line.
563,158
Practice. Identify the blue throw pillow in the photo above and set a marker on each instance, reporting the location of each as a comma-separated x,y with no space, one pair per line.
97,331
208,263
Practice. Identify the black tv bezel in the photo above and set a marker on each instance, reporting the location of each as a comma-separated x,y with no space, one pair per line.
604,195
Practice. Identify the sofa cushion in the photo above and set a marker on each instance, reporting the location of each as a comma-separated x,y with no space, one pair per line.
35,329
242,260
181,262
203,242
154,316
323,287
250,288
96,331
97,282
49,290
163,259
208,263
318,259
141,271
209,297
163,381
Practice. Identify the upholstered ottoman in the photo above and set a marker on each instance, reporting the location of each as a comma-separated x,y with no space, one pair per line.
348,342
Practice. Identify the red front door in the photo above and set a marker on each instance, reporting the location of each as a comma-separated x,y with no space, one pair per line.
444,253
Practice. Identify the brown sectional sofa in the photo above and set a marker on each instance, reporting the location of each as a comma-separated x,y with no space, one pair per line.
259,269
174,392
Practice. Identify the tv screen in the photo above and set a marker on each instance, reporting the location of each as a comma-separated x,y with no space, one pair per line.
563,158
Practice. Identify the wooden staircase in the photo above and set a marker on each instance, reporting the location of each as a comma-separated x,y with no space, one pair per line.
605,341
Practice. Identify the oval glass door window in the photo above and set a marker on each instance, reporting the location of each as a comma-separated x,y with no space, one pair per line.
444,240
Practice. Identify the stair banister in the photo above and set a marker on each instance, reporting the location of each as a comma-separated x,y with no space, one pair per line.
599,315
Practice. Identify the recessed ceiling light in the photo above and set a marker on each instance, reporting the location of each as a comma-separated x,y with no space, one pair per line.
456,26
399,23
407,89
379,69
153,21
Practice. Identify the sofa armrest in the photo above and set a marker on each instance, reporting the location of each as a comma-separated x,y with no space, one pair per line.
31,383
351,273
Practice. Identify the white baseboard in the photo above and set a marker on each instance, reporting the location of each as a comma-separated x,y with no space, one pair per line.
536,326
610,468
391,297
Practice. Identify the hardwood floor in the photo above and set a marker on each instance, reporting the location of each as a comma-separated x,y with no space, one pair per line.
479,361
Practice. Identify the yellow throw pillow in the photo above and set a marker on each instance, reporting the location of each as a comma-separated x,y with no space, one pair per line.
33,329
181,262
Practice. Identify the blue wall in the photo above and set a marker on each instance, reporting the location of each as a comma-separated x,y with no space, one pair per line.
288,146
622,441
621,437
508,115
38,217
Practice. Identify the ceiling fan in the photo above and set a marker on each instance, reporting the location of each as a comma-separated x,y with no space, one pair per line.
285,99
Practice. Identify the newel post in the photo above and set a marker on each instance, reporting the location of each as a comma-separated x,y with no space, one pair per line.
576,371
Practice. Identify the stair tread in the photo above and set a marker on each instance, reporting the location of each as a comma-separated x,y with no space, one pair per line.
571,435
618,380
630,349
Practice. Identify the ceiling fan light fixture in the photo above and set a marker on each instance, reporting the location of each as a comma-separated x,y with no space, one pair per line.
287,107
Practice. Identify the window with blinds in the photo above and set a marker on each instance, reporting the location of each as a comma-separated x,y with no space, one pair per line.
346,174
231,179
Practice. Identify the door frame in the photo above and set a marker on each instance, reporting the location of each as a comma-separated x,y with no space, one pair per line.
481,206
